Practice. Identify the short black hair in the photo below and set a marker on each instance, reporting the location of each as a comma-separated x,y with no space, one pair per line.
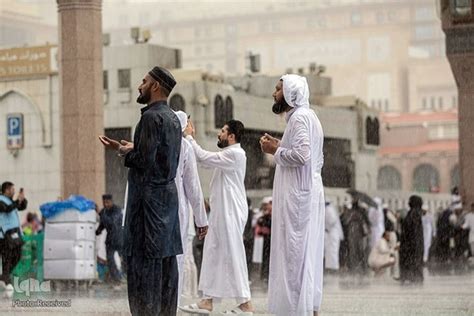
415,202
237,128
107,197
6,185
30,217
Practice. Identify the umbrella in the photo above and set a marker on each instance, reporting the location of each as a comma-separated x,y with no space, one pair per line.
361,196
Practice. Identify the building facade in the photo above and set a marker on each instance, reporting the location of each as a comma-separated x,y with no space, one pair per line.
210,100
419,152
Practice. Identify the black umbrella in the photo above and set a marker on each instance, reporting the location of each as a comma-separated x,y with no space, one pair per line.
361,196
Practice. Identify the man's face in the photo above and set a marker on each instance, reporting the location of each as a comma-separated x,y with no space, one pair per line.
280,104
268,209
145,90
10,192
223,137
108,204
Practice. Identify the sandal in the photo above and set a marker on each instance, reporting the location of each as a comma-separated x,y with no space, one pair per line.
194,309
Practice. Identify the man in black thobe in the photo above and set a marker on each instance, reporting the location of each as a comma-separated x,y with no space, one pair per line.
151,234
111,221
411,243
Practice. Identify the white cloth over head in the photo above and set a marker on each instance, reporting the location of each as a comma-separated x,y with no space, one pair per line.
183,119
295,91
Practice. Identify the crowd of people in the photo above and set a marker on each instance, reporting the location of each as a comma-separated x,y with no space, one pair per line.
361,238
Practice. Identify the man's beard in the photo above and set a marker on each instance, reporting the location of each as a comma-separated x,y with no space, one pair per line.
280,107
144,97
222,143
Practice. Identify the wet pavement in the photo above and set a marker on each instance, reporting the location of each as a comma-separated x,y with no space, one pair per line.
439,295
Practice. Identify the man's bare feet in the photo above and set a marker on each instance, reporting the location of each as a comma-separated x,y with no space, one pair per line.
205,304
247,307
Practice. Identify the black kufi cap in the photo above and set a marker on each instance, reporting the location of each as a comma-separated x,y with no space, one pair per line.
163,76
107,197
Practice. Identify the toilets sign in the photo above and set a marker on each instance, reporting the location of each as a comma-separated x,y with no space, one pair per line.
15,131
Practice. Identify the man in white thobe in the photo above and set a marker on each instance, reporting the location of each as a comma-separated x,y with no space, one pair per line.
297,247
224,268
332,238
190,197
428,232
377,224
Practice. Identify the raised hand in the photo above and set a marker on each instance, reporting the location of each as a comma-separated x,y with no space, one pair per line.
269,144
125,147
109,143
189,130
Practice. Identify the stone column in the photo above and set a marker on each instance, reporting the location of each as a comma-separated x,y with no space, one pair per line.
80,71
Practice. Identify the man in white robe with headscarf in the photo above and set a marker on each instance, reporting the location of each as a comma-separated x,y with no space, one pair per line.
190,197
297,247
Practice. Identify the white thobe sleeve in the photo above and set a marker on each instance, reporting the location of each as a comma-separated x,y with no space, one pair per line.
222,160
192,189
300,152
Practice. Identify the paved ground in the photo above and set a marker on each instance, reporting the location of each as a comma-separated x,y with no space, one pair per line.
440,295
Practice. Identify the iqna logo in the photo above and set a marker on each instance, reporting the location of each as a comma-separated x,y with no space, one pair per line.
31,285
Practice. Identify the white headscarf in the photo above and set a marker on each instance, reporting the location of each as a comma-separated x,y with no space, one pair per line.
295,91
183,119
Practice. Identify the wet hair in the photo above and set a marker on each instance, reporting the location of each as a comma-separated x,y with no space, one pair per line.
237,128
6,185
415,202
30,217
107,197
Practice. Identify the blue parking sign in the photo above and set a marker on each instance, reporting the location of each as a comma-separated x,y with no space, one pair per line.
15,131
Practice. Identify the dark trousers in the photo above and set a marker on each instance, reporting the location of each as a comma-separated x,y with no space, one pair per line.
10,258
113,269
152,285
248,244
266,258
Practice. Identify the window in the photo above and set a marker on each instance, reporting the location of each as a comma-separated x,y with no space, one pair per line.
223,112
389,178
424,32
177,103
461,7
424,104
433,103
454,102
386,105
124,78
424,14
356,19
372,131
380,17
440,102
105,80
426,178
219,118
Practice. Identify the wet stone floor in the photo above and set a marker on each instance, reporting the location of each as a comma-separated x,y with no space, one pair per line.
441,294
